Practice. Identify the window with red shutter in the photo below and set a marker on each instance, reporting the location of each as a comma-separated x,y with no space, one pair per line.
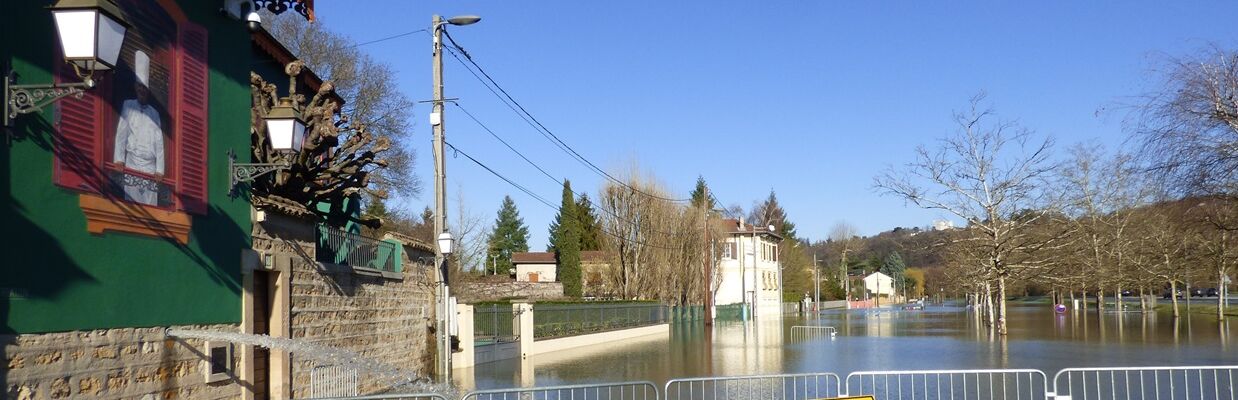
75,144
191,115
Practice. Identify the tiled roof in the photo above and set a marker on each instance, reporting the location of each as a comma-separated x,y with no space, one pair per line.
732,226
540,257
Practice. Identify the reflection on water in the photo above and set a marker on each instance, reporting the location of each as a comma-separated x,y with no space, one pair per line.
935,338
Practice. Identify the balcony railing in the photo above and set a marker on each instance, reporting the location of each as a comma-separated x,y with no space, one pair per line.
337,246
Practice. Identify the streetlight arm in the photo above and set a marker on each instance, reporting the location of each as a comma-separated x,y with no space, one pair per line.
30,98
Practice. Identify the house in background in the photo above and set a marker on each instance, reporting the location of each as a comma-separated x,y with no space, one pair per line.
879,284
751,272
535,266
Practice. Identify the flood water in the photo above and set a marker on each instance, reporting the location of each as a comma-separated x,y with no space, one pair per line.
941,337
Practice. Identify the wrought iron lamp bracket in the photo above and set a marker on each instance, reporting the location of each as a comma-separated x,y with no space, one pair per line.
26,99
247,172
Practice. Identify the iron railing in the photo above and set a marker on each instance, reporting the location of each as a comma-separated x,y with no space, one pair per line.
642,390
979,384
333,381
496,322
783,386
1139,383
337,246
558,320
810,332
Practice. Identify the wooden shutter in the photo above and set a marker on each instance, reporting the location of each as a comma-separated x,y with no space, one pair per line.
734,253
76,142
191,114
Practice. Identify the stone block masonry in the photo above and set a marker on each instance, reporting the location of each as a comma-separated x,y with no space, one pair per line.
128,363
475,292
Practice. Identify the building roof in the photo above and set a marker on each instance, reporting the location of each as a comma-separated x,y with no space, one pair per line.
732,226
539,257
878,273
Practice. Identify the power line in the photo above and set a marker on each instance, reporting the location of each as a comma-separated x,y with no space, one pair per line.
396,36
547,203
557,181
542,127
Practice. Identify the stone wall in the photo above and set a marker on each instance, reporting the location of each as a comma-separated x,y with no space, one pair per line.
388,319
116,363
475,292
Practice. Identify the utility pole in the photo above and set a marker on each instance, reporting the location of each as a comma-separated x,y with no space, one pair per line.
816,284
709,259
440,203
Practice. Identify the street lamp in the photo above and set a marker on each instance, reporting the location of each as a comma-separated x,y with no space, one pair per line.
91,33
443,365
445,243
285,132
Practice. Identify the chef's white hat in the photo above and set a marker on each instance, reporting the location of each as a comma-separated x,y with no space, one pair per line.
141,67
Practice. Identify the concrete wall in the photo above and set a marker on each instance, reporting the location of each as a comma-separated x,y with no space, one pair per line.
594,339
110,364
474,292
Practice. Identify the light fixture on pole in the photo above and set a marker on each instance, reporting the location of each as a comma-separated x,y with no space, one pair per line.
90,33
286,134
445,243
443,364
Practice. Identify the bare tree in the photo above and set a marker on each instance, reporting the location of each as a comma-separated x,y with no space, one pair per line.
985,173
844,235
368,88
1189,129
472,236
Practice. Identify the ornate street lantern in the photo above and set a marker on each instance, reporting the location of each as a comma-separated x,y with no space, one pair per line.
91,33
445,243
285,128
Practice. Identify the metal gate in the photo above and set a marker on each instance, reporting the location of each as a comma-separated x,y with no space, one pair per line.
802,332
333,381
782,386
640,390
1138,383
979,384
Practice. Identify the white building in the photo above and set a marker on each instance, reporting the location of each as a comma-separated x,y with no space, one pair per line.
535,267
943,225
750,270
879,284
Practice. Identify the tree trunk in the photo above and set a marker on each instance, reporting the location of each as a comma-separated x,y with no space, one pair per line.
1173,295
1221,292
1100,300
988,302
1117,295
1143,300
1001,301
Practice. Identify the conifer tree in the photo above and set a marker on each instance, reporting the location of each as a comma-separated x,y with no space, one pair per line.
588,225
698,195
510,235
567,245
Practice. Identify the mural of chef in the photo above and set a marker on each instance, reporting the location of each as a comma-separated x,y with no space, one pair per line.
139,138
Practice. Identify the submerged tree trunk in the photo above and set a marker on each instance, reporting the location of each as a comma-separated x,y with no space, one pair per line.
1100,300
1143,300
988,303
1117,295
1173,295
1221,293
1001,307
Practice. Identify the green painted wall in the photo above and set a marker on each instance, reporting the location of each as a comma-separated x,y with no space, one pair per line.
57,277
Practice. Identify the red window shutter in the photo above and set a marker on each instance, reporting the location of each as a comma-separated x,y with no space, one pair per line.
76,142
191,113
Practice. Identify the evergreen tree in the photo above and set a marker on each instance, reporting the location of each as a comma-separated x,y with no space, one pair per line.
698,195
510,235
377,207
770,212
893,265
588,225
567,247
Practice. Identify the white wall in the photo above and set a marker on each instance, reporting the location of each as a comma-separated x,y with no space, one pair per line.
762,281
545,272
879,283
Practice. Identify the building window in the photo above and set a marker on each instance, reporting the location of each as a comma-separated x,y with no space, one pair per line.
728,251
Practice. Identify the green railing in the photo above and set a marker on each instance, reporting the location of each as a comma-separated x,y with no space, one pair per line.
558,320
495,322
337,246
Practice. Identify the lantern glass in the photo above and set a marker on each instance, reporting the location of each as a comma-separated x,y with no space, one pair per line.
285,128
445,243
280,131
91,32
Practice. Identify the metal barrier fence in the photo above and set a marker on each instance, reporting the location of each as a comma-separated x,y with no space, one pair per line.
496,322
979,384
333,381
393,396
642,390
1137,383
808,332
555,320
338,246
784,386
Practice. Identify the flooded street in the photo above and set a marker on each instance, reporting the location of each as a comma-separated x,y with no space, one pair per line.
935,338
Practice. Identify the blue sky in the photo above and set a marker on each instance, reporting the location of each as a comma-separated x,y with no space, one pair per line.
808,98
